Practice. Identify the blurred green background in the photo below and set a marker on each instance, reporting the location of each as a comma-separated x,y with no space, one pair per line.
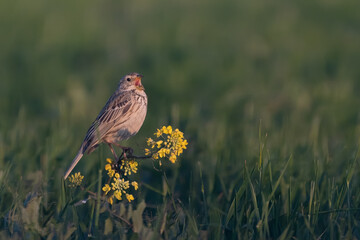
215,69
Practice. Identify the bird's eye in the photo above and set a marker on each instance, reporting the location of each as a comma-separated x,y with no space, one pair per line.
128,79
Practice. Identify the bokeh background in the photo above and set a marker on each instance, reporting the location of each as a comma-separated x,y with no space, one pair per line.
218,70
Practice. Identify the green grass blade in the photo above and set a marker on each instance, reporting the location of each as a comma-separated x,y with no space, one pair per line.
279,179
98,202
236,200
253,194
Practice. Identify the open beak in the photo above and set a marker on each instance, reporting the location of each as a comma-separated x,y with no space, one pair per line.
138,84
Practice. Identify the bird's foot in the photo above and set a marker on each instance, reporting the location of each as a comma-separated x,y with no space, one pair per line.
126,153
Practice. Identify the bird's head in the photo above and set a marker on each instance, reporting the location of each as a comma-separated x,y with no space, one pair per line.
132,81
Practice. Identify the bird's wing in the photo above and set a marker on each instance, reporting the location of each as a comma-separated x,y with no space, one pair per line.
115,111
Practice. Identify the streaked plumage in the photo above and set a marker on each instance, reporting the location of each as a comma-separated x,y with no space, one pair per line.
121,117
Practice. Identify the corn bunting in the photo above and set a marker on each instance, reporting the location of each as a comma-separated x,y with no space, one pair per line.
120,118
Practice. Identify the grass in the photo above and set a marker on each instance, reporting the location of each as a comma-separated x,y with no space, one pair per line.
266,94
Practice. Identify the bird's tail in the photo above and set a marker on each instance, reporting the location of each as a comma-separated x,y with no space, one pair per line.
74,162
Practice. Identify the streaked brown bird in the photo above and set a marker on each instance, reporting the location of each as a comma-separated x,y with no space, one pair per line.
121,118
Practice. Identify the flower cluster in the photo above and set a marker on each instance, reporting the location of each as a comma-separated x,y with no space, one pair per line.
128,166
75,180
120,186
169,144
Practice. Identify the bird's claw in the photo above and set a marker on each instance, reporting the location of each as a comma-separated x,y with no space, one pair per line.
126,153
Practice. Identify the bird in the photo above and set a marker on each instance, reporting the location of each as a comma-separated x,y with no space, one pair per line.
121,118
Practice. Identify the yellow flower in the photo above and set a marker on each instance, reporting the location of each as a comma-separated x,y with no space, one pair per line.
180,151
111,172
150,142
135,185
133,165
111,199
129,197
170,145
75,180
179,133
158,133
120,185
184,143
172,158
118,194
108,168
169,130
158,143
106,189
164,130
129,166
162,152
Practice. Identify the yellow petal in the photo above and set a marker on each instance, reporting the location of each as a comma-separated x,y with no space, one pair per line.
147,151
118,194
135,185
159,143
158,133
172,158
107,167
129,197
106,189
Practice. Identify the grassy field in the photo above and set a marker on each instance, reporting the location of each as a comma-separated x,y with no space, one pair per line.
267,94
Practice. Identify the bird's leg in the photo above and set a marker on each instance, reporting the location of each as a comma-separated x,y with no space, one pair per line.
113,151
126,150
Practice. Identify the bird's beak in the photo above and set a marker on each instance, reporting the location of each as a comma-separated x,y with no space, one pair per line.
138,84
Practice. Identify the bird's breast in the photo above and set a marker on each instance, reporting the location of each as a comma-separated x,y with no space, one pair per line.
136,119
